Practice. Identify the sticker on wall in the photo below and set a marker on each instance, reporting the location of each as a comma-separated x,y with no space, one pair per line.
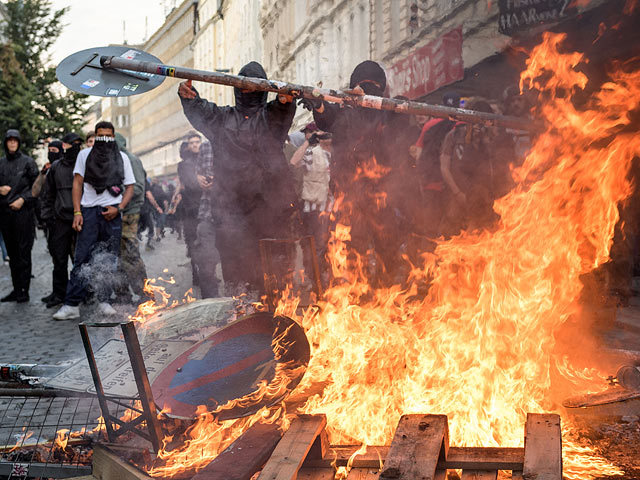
90,84
132,87
112,92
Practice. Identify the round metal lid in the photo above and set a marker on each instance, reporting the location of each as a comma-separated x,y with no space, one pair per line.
82,73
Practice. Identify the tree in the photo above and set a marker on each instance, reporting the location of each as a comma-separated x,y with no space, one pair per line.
31,99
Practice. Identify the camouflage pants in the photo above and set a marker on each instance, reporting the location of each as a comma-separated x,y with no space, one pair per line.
132,269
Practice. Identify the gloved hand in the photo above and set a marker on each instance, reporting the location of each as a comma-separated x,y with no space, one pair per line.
310,103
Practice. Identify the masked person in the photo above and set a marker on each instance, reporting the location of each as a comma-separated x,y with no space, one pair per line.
57,200
55,152
102,187
248,186
17,174
365,143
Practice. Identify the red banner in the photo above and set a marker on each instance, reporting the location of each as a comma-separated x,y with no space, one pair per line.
434,65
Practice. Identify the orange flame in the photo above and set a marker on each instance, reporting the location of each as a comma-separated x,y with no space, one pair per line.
62,438
150,307
481,346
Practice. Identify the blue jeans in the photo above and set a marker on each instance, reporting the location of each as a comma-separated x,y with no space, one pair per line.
96,257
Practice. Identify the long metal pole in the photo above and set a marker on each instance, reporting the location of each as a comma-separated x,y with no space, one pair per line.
335,96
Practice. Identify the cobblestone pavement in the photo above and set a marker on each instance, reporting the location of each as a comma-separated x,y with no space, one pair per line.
28,334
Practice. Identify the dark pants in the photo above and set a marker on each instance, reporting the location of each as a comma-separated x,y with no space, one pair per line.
18,231
190,226
61,240
206,258
146,222
238,235
132,269
96,257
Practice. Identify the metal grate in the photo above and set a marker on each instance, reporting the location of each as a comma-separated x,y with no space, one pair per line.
28,426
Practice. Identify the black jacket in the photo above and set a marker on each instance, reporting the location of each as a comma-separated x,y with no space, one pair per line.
191,188
247,142
57,193
18,171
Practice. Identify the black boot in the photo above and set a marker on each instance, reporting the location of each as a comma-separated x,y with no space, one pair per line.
22,296
12,297
54,301
47,298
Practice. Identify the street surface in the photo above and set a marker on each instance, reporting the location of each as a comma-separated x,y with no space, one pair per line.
28,334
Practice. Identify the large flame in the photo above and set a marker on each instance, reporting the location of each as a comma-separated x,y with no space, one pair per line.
481,347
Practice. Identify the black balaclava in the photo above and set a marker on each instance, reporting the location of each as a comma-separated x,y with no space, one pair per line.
53,156
250,103
370,76
12,133
71,153
104,168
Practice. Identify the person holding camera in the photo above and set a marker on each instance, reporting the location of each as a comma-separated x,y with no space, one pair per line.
314,158
103,183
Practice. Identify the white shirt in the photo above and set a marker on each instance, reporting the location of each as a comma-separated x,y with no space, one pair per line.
89,196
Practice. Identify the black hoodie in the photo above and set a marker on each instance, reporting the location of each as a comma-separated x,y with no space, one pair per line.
57,196
18,171
249,164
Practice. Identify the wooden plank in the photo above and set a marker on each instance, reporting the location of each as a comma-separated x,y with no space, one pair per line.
320,448
363,474
108,466
479,474
288,456
440,475
244,457
472,458
542,447
484,458
419,441
316,474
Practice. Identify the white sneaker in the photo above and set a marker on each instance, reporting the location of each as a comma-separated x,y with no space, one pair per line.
105,309
67,312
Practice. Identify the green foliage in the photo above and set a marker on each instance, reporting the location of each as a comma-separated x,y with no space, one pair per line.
31,99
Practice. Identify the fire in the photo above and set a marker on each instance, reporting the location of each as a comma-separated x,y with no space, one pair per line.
62,438
150,307
481,346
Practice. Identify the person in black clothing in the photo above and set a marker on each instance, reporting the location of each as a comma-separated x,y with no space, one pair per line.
251,186
160,215
190,193
369,150
57,200
17,174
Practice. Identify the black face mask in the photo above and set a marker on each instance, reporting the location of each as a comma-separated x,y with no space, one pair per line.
104,168
71,153
53,156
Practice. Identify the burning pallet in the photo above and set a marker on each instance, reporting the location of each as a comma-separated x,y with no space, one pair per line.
419,450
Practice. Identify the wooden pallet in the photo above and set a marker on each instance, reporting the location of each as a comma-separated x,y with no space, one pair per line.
419,451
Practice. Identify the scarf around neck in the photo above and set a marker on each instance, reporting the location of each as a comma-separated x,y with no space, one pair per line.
104,168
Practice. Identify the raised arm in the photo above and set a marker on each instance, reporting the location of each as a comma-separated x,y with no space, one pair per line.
202,114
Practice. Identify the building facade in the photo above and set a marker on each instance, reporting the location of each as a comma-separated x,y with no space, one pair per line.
229,37
157,123
315,42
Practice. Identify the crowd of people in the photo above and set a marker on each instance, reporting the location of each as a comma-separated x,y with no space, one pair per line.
398,181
